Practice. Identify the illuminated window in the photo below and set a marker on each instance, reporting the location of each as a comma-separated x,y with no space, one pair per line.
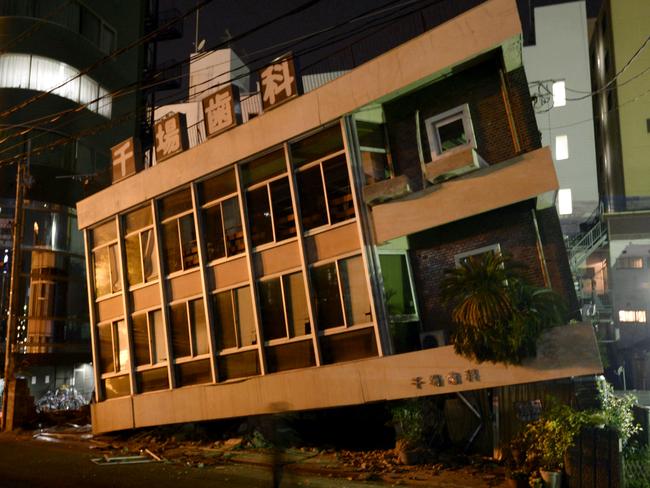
559,94
634,316
45,74
629,263
565,201
105,258
561,147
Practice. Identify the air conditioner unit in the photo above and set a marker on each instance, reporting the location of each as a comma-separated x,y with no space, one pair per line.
433,338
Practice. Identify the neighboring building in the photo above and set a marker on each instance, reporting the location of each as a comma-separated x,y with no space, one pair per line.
294,261
620,56
45,43
557,66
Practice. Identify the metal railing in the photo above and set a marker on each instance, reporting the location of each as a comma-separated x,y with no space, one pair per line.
583,246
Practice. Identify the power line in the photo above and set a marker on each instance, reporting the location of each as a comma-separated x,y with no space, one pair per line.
606,86
104,59
130,88
34,27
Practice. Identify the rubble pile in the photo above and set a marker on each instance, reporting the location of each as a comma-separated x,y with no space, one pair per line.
63,398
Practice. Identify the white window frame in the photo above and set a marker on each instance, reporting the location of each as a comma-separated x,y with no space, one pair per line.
432,123
495,248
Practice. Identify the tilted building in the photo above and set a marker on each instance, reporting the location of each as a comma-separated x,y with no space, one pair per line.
295,260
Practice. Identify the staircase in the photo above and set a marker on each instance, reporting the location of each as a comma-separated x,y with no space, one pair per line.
580,247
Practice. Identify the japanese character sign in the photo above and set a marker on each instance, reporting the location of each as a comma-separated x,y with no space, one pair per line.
221,110
126,159
279,82
171,136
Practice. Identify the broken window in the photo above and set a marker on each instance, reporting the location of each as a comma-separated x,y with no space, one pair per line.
449,131
234,319
373,146
113,347
105,256
399,291
283,307
140,247
149,338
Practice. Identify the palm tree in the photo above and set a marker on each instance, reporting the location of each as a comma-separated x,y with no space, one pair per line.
498,315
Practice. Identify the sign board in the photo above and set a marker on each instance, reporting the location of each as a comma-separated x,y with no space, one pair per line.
126,159
279,82
171,136
221,110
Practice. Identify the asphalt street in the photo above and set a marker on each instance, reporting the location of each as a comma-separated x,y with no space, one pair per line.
31,463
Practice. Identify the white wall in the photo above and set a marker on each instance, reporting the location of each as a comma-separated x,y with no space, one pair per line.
561,52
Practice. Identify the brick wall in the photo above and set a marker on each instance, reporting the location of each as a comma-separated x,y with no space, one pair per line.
480,87
557,260
513,228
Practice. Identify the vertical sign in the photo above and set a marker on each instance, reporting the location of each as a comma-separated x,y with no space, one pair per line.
279,82
126,159
171,136
221,110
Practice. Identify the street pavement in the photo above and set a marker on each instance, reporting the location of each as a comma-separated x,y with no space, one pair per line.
26,462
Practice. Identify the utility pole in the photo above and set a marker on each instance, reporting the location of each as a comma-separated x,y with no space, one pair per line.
12,319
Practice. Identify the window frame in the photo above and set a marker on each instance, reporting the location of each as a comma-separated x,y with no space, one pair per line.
431,124
495,248
177,218
108,245
219,202
409,270
113,324
288,338
139,232
249,221
321,164
190,327
345,326
238,348
150,340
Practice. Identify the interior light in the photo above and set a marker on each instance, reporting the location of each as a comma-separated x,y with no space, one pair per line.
561,147
559,94
565,203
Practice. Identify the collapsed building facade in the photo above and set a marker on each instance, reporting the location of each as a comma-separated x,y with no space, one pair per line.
295,260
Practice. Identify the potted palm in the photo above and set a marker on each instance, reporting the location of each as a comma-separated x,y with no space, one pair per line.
498,315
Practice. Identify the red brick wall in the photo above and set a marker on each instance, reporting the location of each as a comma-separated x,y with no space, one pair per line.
433,251
480,87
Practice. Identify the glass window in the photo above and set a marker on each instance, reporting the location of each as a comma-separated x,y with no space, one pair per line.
137,220
638,316
218,186
199,328
104,233
133,260
263,168
178,232
223,230
327,296
148,338
283,219
317,146
259,216
450,130
312,198
245,317
106,357
272,310
355,291
267,226
296,304
180,330
224,320
107,275
397,286
339,194
330,310
235,323
189,338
